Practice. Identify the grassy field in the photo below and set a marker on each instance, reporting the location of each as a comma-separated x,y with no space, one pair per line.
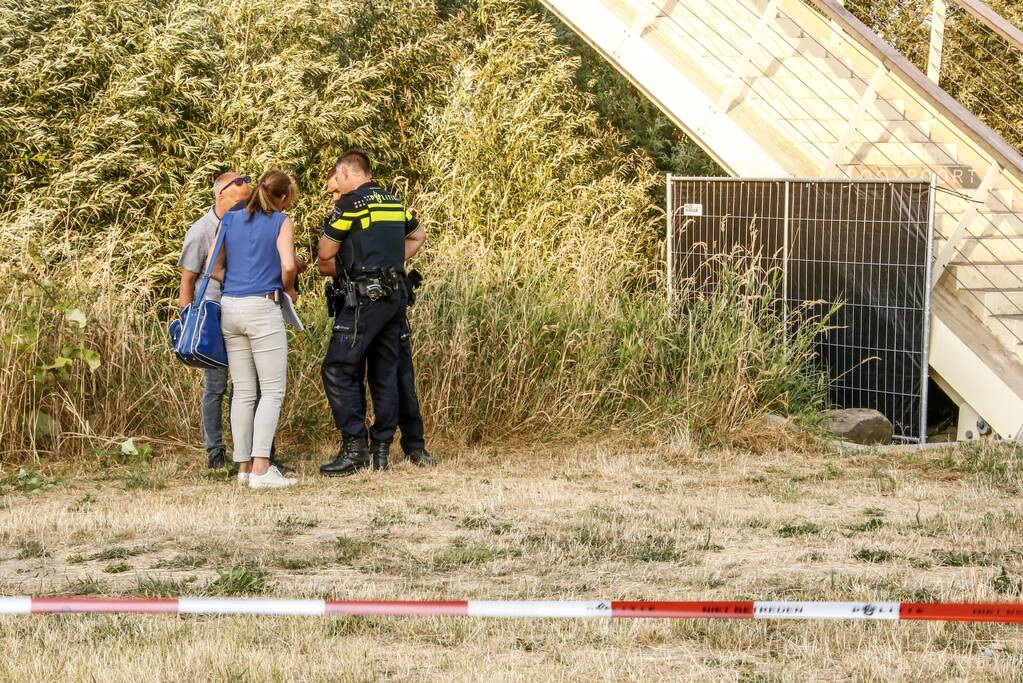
575,521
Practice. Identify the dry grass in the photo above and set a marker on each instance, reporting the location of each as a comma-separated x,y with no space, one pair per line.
566,522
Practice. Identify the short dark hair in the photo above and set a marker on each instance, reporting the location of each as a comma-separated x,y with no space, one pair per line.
357,159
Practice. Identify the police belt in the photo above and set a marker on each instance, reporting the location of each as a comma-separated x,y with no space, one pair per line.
377,286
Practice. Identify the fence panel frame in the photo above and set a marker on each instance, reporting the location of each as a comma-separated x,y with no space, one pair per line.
672,214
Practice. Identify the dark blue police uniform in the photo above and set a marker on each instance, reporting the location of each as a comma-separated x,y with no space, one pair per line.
410,418
370,224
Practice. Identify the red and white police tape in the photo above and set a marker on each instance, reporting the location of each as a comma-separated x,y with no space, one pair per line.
614,609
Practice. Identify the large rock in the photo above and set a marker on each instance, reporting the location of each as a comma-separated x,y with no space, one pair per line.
859,425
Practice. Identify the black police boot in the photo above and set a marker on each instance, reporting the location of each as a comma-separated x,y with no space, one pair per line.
216,459
353,457
421,457
380,452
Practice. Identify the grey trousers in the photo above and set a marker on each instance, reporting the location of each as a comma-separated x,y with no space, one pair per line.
257,356
214,385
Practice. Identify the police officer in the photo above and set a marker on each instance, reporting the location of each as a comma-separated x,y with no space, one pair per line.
363,247
413,433
410,418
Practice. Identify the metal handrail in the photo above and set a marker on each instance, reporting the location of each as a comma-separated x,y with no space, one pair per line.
993,20
782,117
992,143
986,138
944,103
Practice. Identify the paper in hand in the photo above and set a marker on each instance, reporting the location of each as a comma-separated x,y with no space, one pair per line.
289,313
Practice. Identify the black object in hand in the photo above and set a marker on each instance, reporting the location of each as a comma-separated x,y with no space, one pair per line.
414,278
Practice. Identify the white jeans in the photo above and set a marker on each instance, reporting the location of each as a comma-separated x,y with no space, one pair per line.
257,351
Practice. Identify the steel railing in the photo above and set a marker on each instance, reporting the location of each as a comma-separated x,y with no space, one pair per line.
957,46
782,37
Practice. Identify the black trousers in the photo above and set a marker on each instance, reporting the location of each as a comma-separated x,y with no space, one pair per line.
410,418
366,336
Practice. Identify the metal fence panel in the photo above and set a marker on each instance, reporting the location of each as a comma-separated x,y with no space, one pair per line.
864,245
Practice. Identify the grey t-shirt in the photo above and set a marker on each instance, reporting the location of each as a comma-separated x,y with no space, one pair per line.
198,242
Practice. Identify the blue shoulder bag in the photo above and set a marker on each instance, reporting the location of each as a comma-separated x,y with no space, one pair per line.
196,337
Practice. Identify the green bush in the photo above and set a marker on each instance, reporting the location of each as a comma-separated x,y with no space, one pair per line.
543,311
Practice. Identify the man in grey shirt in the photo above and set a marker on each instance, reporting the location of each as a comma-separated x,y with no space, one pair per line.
228,190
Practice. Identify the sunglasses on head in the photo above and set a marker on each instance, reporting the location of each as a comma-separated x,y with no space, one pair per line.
239,181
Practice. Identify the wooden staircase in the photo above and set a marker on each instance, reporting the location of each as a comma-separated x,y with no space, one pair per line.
801,88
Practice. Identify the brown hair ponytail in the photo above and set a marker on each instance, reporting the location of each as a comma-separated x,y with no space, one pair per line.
275,191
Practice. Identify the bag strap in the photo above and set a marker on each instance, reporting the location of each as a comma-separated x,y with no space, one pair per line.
200,293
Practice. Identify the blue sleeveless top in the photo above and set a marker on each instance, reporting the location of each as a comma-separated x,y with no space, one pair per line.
253,264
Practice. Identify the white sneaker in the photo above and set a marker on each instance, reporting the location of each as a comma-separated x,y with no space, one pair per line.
271,479
243,478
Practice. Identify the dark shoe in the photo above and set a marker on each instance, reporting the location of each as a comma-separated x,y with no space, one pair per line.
421,457
353,457
281,467
380,452
216,459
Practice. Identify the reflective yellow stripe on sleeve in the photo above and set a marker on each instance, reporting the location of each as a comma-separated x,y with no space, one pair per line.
342,224
387,217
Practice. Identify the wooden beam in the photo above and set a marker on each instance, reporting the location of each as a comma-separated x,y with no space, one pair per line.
868,98
946,105
979,198
739,74
938,12
993,20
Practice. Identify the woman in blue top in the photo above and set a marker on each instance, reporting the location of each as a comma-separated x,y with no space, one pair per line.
258,267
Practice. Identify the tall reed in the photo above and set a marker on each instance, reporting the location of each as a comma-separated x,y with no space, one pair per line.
543,312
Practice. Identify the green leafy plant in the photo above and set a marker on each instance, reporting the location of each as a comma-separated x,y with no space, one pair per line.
117,553
47,337
1007,584
347,550
136,481
458,556
957,558
183,561
129,453
27,481
160,587
871,524
88,585
293,524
